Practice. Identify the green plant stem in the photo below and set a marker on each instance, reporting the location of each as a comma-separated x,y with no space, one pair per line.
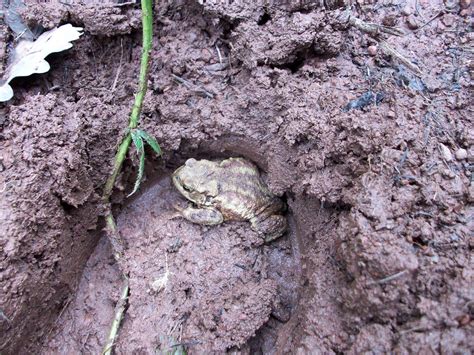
118,162
119,312
113,235
147,23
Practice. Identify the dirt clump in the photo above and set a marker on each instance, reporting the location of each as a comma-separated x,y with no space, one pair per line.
363,151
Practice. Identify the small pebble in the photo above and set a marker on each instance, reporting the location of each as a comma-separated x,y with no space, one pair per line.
391,114
461,154
390,20
412,22
445,152
448,174
407,11
372,50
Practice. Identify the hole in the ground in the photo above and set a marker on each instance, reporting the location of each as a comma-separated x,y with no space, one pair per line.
419,242
264,19
178,268
296,64
38,256
68,208
231,275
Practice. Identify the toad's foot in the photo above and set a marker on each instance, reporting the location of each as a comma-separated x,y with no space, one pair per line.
272,227
205,216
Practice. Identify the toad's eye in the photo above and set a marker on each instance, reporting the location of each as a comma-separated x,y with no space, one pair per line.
186,188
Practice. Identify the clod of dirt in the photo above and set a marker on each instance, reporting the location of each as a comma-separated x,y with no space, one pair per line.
103,20
407,10
412,22
304,34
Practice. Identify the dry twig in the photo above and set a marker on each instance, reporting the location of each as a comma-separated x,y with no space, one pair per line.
193,87
388,278
384,46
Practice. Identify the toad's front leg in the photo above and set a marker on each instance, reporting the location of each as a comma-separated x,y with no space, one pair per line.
206,216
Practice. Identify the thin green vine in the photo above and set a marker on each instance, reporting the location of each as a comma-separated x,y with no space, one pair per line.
147,23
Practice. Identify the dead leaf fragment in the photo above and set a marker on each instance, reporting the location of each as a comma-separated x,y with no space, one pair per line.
28,57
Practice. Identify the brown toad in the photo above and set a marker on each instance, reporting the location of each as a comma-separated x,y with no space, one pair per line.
229,190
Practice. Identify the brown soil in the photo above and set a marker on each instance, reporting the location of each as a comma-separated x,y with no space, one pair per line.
380,199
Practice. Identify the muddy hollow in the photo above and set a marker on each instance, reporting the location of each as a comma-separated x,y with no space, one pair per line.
372,155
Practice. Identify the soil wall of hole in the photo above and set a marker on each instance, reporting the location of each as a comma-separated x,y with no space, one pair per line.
380,198
209,288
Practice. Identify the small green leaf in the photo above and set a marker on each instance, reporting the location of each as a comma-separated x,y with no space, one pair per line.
150,140
138,142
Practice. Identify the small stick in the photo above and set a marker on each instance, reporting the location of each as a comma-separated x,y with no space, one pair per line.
415,329
3,316
417,9
20,35
392,52
369,27
388,278
195,88
430,20
423,213
133,2
372,28
219,54
183,81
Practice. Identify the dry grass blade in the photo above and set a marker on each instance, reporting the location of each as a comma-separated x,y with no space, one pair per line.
373,28
395,54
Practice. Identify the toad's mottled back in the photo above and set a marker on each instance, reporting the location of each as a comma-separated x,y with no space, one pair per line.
231,189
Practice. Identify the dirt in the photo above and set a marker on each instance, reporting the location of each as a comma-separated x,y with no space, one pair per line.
367,156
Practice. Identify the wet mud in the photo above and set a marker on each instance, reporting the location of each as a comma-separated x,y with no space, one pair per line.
373,161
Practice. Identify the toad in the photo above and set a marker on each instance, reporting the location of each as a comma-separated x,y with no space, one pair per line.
229,190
